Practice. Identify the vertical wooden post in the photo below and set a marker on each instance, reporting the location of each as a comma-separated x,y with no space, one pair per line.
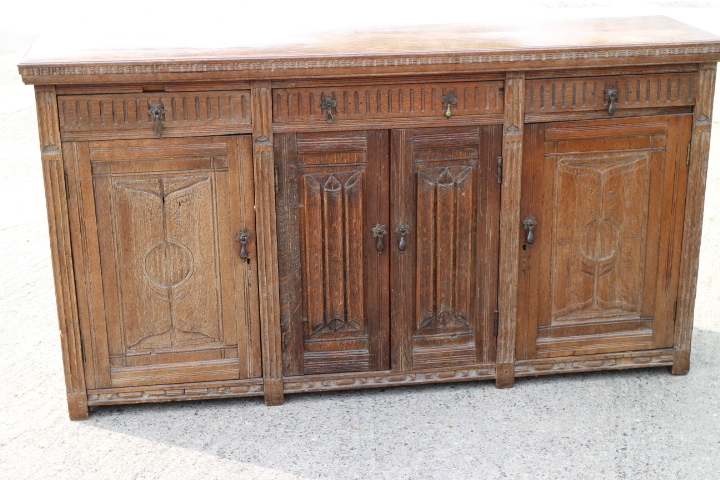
401,280
61,250
264,172
510,227
692,231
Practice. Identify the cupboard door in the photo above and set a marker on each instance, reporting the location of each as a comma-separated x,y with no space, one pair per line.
446,197
170,300
602,273
334,274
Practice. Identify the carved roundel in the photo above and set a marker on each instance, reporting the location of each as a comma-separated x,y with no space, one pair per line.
599,239
168,264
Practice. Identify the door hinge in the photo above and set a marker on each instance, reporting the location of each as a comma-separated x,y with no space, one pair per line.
499,169
67,187
496,321
277,179
689,150
82,350
675,312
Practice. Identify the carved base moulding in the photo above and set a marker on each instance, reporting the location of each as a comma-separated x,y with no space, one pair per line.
379,208
590,363
312,383
171,393
316,383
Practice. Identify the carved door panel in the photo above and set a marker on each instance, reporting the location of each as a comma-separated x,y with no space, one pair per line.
445,225
169,298
334,274
602,273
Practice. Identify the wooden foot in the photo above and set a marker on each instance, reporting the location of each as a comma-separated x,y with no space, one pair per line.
681,362
505,375
77,406
273,389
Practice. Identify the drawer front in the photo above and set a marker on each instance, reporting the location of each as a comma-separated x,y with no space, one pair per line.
585,94
84,117
377,102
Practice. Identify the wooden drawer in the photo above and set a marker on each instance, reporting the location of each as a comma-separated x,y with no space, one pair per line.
568,98
85,117
375,103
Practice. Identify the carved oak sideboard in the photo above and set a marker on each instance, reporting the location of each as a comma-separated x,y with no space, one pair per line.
387,207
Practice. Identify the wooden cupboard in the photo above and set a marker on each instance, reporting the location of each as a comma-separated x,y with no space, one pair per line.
259,221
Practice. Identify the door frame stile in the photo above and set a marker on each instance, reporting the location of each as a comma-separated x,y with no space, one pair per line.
401,265
692,230
266,226
61,250
510,227
86,258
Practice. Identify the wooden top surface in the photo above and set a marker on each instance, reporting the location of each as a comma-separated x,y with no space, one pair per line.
368,51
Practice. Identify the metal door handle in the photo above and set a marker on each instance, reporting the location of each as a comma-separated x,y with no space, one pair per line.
402,229
379,231
529,224
243,237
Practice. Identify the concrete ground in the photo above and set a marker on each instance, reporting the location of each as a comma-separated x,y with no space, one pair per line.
636,424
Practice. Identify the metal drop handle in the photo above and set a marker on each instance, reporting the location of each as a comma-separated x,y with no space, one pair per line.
448,100
611,95
379,231
327,104
157,114
529,224
402,229
243,237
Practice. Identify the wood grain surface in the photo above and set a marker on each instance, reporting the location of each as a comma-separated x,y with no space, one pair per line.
366,51
266,235
512,159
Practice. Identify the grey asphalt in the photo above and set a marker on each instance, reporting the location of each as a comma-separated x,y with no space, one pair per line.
633,424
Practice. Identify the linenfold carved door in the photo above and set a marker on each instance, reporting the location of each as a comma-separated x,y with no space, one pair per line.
352,282
602,272
332,191
445,193
158,219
